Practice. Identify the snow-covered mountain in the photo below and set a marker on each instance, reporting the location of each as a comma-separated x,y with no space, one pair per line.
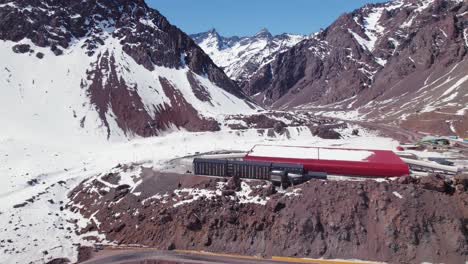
404,61
105,69
240,57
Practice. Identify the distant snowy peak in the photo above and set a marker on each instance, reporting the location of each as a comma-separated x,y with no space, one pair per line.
113,69
211,40
264,33
240,57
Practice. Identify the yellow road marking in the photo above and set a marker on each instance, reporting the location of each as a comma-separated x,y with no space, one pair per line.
217,254
318,261
128,248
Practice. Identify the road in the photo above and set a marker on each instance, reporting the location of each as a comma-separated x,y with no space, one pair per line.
156,256
150,256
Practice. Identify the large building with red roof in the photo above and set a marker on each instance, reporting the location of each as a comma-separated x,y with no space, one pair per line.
334,161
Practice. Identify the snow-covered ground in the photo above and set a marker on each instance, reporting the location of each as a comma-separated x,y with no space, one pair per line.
39,230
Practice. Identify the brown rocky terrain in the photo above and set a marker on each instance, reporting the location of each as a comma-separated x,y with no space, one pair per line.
405,221
403,61
271,122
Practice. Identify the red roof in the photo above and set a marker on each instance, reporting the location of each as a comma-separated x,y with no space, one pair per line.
356,162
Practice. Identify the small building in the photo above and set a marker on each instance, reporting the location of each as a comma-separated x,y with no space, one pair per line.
436,141
334,161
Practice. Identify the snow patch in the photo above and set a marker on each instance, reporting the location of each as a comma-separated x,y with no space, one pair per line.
457,85
294,193
408,23
465,36
372,29
423,5
148,22
381,61
196,195
244,195
398,195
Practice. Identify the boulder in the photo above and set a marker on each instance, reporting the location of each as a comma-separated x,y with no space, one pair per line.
234,184
435,183
279,127
461,180
325,132
22,48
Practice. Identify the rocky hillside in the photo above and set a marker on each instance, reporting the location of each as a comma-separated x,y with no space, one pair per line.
402,61
110,69
241,57
405,221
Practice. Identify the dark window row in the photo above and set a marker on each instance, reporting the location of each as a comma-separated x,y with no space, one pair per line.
242,169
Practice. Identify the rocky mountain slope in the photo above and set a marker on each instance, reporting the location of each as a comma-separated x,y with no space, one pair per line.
403,61
106,69
241,57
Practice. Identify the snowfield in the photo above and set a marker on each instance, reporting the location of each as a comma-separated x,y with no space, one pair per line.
47,170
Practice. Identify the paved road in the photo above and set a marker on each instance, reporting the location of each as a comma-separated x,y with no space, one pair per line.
149,256
152,256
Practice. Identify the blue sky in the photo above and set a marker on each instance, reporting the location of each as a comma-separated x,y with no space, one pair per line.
246,17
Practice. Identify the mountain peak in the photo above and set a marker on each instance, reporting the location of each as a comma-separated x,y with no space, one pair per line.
264,32
212,31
